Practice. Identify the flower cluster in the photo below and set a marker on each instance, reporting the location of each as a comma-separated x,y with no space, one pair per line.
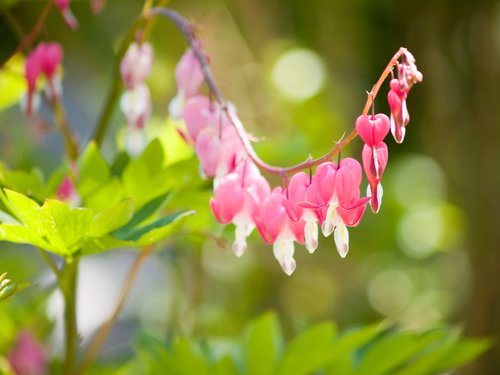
329,197
407,76
135,102
45,60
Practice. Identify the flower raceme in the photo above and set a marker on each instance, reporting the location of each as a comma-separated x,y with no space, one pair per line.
135,101
329,197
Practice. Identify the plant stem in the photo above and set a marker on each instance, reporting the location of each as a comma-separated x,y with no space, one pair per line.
50,263
68,288
62,124
26,42
98,340
187,30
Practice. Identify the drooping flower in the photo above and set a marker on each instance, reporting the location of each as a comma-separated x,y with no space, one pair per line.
339,188
276,227
407,76
66,12
135,66
237,199
373,128
45,59
136,107
219,151
189,77
27,357
374,163
200,113
303,203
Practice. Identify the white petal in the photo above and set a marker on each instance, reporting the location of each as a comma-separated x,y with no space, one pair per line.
341,236
283,250
135,140
240,242
176,106
375,162
328,225
311,235
380,193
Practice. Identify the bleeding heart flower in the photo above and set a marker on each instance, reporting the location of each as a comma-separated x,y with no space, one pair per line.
237,200
374,163
135,66
276,227
373,128
27,357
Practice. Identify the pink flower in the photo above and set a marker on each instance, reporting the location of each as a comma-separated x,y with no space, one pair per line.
189,78
374,163
407,76
135,66
45,59
67,192
276,227
136,106
302,204
373,128
68,16
339,188
399,112
219,151
238,197
27,356
199,113
97,6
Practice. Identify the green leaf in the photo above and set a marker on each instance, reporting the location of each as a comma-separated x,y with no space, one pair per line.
93,171
111,219
394,350
28,183
12,79
9,288
464,352
429,362
146,178
140,216
109,194
225,366
310,351
159,229
187,360
27,210
23,235
66,228
262,345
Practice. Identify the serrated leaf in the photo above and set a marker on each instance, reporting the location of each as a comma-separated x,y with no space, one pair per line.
27,210
310,351
108,195
111,219
262,345
22,235
93,171
25,182
66,228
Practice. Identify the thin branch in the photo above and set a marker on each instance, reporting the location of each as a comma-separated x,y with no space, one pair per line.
187,30
104,330
28,39
62,124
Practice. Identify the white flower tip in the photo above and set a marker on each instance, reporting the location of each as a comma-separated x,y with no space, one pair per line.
176,106
311,236
341,237
239,248
289,266
327,228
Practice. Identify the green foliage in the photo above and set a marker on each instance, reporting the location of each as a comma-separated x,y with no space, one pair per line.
373,349
117,210
9,288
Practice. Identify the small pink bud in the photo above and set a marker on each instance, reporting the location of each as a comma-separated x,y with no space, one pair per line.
97,6
68,16
373,129
188,74
135,66
27,356
399,114
200,113
67,192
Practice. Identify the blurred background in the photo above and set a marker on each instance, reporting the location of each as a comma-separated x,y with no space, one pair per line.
298,73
